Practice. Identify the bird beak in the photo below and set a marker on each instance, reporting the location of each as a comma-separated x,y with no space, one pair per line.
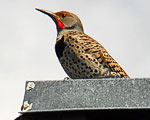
49,13
55,18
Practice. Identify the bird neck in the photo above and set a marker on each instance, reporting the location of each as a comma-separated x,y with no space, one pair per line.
63,32
75,28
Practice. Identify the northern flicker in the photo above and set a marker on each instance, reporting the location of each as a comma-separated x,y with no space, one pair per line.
81,56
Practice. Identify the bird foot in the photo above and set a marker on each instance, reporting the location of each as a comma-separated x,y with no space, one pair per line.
67,78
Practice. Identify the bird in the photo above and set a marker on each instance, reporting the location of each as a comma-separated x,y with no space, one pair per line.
81,56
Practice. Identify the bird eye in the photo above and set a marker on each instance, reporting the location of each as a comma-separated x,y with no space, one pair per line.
63,15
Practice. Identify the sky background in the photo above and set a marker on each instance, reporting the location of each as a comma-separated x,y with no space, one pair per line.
28,37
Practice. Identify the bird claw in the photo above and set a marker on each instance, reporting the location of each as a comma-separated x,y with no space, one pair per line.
67,78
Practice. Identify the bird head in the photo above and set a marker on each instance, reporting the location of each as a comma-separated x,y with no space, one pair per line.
64,20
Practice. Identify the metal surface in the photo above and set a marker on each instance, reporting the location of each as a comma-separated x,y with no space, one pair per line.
94,94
